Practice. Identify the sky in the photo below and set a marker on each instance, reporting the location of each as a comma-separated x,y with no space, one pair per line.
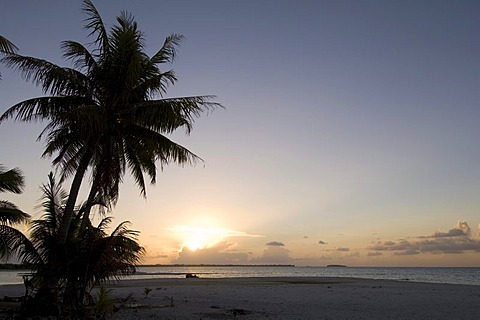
350,133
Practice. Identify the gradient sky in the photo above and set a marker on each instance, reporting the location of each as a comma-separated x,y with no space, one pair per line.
350,134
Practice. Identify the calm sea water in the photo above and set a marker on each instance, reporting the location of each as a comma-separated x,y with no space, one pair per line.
469,276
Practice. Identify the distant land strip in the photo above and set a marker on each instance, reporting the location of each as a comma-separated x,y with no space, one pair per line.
217,265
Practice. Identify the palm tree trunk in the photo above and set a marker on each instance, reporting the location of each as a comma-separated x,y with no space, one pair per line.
72,197
86,213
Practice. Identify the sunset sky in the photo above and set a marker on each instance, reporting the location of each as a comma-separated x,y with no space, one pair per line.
351,133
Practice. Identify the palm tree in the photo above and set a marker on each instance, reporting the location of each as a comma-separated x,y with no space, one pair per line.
91,257
12,181
108,112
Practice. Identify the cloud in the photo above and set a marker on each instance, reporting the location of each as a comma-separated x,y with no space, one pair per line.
321,242
343,249
407,252
274,255
154,255
390,246
455,241
215,254
460,230
216,231
374,254
275,244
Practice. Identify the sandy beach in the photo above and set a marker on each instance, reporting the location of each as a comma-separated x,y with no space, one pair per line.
287,298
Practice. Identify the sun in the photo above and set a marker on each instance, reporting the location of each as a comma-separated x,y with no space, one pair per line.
196,241
196,237
200,236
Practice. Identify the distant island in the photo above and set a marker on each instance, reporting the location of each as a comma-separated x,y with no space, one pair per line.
336,266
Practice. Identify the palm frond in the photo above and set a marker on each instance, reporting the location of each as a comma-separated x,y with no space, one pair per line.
136,169
6,46
154,83
104,223
11,214
167,115
82,59
53,201
50,77
168,52
12,242
95,25
36,109
11,180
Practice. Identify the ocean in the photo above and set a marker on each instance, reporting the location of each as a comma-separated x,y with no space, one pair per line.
468,276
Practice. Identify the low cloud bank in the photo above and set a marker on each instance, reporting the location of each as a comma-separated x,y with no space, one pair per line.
220,253
276,244
274,255
455,241
224,252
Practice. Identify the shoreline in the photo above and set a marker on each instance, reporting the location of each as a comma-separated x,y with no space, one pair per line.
286,298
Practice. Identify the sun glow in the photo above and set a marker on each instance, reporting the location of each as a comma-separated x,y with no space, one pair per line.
201,236
196,241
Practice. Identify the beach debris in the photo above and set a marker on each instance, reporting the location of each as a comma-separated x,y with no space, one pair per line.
191,275
136,306
171,300
146,291
239,312
128,298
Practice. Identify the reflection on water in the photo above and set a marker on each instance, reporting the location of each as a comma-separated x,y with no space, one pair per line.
12,276
470,276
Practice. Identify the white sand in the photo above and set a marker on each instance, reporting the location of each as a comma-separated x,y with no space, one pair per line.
289,298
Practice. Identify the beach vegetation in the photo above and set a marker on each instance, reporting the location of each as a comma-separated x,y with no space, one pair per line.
61,279
10,215
104,304
146,292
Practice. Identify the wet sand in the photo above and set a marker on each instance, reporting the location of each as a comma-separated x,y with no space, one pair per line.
288,298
